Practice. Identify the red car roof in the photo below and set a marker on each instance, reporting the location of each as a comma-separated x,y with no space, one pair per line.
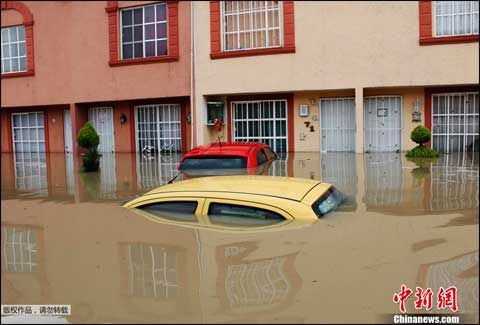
225,148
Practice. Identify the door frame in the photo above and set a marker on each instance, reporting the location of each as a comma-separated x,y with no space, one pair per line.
65,135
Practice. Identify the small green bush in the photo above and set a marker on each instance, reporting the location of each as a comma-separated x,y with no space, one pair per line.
422,152
421,135
91,160
423,161
88,139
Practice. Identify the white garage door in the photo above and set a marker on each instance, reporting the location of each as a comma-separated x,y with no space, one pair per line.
158,127
261,121
102,120
455,122
383,123
337,120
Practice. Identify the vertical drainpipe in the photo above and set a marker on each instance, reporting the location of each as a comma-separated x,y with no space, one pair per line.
192,77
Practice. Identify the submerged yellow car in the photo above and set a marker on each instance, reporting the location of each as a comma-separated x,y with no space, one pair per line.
238,201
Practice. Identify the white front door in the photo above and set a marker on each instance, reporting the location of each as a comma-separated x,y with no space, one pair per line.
67,130
102,120
337,121
383,123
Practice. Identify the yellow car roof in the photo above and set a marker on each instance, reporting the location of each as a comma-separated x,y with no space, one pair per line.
284,187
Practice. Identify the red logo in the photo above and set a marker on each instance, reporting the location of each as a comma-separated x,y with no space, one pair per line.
423,298
446,298
402,296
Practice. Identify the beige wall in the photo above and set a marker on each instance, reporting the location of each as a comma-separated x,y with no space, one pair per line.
71,59
339,45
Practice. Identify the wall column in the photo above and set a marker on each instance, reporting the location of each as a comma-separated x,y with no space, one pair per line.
359,120
79,117
200,112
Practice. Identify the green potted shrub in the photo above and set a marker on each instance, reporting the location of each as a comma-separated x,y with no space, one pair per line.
421,135
88,139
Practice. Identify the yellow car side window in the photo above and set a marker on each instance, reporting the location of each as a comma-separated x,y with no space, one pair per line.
239,215
172,210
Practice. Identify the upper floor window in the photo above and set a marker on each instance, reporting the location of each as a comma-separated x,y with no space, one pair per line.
14,55
251,25
144,31
456,18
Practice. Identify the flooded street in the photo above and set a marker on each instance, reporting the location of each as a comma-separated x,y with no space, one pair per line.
67,240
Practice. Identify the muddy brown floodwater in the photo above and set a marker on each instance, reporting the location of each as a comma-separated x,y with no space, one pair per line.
67,240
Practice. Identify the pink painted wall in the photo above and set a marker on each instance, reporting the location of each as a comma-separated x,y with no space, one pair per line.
71,59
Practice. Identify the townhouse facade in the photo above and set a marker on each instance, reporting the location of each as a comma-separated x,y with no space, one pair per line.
298,75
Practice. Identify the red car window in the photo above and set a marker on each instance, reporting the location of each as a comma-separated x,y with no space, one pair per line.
261,158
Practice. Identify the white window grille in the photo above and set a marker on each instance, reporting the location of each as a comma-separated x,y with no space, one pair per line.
14,55
158,127
144,31
261,121
258,283
156,170
251,24
454,183
455,122
31,172
152,271
28,132
456,18
19,250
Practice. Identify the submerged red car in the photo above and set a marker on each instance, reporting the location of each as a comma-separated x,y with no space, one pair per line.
227,155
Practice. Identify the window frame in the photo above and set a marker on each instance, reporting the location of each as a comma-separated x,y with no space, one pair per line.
114,35
163,216
286,24
198,211
426,29
27,22
434,21
17,42
280,28
261,152
155,22
274,137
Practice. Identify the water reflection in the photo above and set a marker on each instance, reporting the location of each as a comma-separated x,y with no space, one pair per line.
460,271
152,271
380,182
19,250
252,285
78,246
384,180
454,184
31,172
